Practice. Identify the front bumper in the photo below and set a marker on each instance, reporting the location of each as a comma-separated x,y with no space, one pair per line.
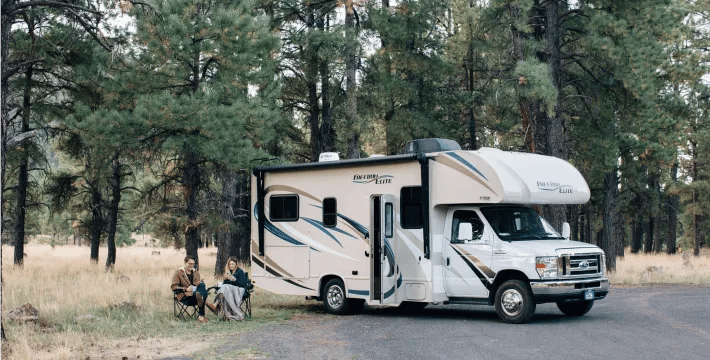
562,290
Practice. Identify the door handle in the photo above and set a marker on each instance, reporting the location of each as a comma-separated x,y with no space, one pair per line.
447,261
367,254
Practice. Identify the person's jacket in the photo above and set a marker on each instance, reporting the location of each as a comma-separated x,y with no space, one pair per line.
240,276
181,281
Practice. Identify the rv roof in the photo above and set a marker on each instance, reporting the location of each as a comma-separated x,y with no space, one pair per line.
338,163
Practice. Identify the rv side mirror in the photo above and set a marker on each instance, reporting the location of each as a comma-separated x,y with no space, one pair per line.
565,230
465,232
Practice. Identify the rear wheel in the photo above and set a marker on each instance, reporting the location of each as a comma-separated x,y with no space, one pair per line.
575,308
514,302
334,299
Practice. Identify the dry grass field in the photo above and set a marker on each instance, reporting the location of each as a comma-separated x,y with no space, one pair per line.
87,312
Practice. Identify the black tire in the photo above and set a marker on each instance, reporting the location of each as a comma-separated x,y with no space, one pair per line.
335,299
575,308
514,302
410,306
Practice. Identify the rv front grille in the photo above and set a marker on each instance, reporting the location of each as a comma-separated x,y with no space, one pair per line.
581,265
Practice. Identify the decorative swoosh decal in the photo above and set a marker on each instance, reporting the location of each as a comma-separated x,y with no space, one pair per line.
484,280
319,225
465,162
363,230
359,292
391,291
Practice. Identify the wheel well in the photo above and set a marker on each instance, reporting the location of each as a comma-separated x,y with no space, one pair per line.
502,277
323,281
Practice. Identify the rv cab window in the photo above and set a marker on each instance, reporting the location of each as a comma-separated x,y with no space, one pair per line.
330,212
283,207
466,226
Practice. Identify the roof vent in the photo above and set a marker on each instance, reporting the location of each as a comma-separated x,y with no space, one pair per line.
328,156
431,145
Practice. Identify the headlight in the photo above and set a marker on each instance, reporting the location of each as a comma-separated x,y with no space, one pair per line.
546,267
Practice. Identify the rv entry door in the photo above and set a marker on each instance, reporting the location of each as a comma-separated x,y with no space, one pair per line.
384,266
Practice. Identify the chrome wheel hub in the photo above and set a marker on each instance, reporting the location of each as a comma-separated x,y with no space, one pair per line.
335,297
512,302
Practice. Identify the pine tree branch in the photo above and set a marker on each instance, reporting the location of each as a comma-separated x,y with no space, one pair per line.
18,139
14,8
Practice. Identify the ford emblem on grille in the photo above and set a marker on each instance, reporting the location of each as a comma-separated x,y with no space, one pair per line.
584,265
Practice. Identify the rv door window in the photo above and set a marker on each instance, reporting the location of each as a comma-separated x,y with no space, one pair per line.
330,212
283,207
411,207
388,220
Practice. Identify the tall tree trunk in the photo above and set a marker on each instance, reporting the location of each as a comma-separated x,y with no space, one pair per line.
242,233
470,86
527,111
227,214
113,211
610,233
97,221
353,136
556,214
657,238
4,91
650,225
191,183
23,176
673,202
697,220
311,74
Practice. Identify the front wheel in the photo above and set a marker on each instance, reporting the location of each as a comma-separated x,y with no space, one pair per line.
514,302
575,308
334,299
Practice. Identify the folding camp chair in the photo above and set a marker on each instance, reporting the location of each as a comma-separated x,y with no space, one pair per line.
180,310
246,299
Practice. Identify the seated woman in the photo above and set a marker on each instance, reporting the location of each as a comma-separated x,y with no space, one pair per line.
231,290
187,278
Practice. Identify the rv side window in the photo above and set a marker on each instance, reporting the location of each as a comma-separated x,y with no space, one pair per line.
411,207
283,208
388,220
330,212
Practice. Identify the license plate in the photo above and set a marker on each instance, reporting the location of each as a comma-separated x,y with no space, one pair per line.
589,294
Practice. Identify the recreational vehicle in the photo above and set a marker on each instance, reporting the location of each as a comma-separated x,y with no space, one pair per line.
436,225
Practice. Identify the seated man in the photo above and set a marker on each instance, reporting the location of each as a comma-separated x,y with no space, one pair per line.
231,290
188,279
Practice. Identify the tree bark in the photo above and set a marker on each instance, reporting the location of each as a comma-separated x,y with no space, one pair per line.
673,202
96,222
227,217
241,247
650,225
657,238
191,183
353,135
609,237
23,176
113,211
4,90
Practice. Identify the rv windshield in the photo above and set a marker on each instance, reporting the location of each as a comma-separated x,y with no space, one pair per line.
519,224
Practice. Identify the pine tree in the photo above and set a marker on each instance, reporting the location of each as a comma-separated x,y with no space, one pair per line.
204,83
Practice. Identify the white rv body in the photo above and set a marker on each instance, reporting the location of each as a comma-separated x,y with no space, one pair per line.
440,227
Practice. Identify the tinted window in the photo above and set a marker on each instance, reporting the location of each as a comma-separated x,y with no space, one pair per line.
411,207
330,212
283,207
